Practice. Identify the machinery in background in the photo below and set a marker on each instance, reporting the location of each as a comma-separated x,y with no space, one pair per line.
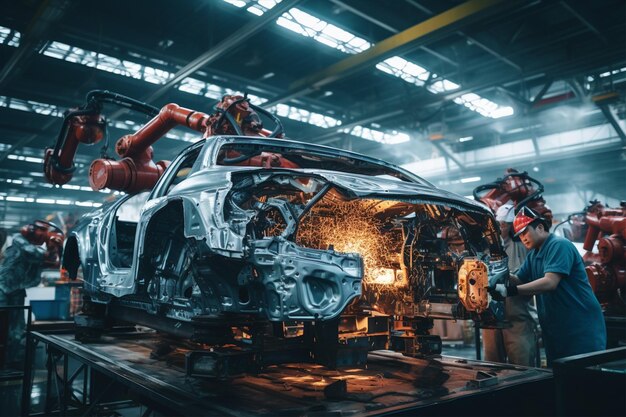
42,232
136,171
517,188
603,228
20,268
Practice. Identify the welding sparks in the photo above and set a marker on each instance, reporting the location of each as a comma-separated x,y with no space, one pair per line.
353,227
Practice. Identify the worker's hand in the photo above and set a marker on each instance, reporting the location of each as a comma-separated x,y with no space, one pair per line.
500,291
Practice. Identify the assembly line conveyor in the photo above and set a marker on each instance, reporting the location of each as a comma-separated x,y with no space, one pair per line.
67,377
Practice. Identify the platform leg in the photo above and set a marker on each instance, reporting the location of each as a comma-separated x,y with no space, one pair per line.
477,342
29,373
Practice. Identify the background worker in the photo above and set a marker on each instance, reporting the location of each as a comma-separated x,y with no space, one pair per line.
20,268
516,344
569,313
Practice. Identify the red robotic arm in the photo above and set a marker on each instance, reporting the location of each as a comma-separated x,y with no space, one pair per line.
517,187
40,232
607,269
80,127
136,171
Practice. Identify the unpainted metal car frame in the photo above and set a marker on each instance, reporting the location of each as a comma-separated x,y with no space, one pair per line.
217,239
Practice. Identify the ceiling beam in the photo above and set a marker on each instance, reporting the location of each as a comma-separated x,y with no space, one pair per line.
584,21
225,46
45,17
610,117
481,44
542,92
578,66
553,158
391,29
330,137
448,154
413,37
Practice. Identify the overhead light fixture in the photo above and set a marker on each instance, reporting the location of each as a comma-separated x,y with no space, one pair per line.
16,199
617,71
470,179
9,37
25,158
466,139
45,201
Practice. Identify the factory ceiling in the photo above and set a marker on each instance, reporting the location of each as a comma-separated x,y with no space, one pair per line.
453,90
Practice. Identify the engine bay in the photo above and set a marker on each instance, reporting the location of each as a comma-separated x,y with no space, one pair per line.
415,254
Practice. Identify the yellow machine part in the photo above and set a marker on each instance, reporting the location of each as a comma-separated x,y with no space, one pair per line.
472,280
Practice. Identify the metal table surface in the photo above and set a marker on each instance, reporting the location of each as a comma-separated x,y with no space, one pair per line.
389,384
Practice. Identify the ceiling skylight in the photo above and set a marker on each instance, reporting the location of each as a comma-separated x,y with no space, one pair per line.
483,106
106,63
305,116
190,85
404,69
198,87
389,138
201,88
308,25
30,106
442,86
311,26
330,35
9,37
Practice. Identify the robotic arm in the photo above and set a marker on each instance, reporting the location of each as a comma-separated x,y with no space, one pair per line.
517,187
607,269
136,171
83,125
40,232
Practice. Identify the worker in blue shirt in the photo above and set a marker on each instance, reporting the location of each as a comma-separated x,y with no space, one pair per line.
570,315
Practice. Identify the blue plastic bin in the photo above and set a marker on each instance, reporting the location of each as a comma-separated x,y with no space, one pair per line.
51,309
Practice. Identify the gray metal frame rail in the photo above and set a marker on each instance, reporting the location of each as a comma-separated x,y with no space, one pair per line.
63,397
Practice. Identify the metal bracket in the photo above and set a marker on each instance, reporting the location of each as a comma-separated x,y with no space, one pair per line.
483,380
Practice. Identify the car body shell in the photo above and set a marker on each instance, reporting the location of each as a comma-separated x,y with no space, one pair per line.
196,205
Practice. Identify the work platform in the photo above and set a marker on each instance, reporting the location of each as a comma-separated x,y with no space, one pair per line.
118,372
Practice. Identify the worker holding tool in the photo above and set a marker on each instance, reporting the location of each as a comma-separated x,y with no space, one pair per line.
516,344
569,313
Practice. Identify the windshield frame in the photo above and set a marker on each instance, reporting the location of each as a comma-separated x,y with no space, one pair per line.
213,145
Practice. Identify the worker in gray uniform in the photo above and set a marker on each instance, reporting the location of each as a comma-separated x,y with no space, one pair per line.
515,344
20,268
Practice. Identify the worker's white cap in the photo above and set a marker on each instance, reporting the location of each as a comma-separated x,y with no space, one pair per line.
505,213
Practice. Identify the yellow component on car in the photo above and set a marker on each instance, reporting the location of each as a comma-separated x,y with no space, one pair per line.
472,280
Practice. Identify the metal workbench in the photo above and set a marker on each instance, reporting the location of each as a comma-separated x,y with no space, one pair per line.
118,372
